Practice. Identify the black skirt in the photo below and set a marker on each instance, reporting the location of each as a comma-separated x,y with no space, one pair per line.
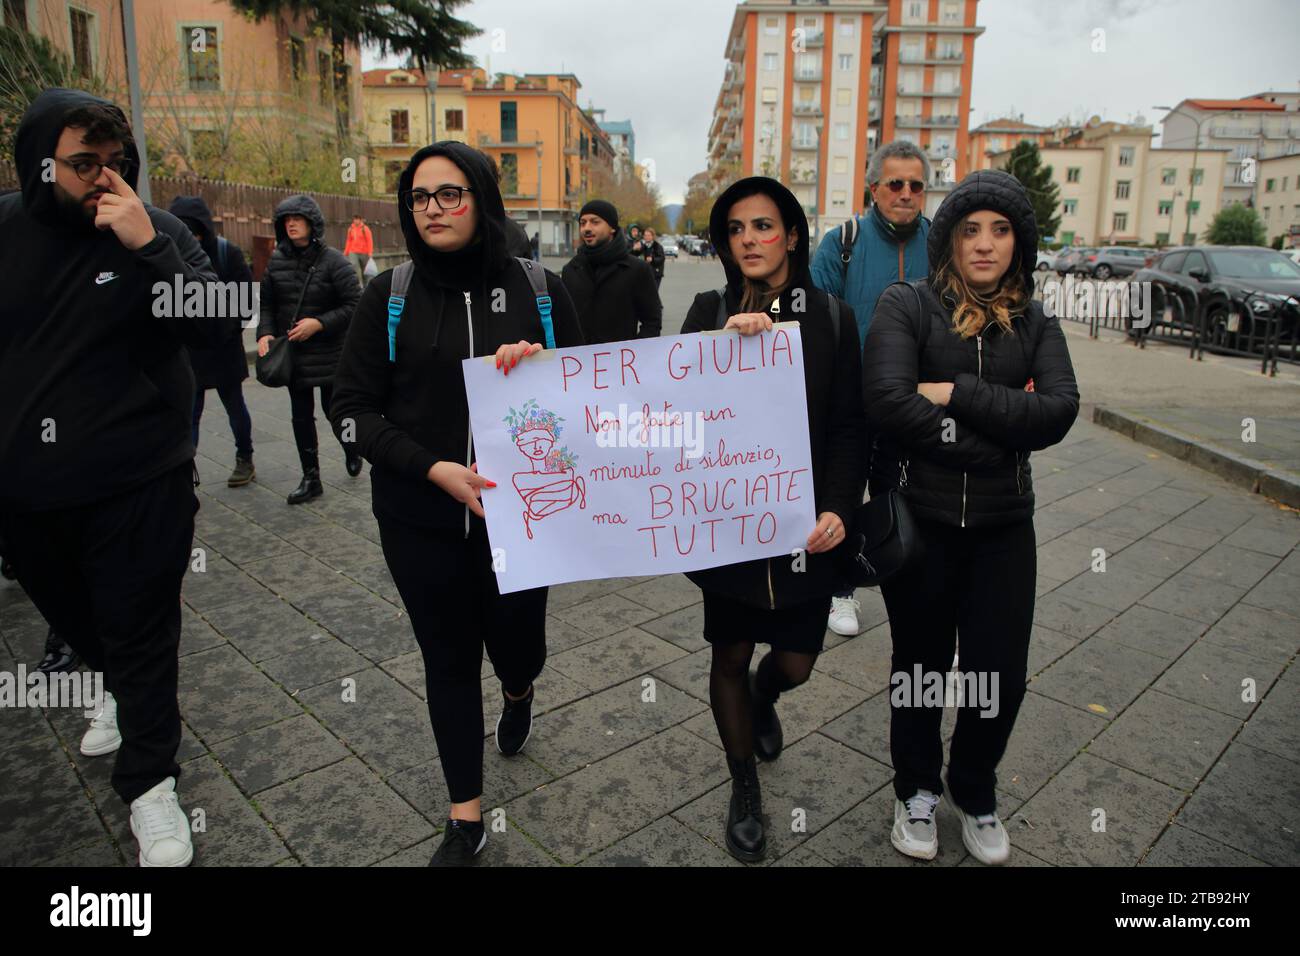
800,628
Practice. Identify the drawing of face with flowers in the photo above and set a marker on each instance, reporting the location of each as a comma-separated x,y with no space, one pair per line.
535,431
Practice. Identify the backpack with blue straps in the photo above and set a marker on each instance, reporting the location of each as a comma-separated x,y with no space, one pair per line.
402,282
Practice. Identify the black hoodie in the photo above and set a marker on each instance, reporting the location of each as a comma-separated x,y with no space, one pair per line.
832,389
410,414
96,393
226,363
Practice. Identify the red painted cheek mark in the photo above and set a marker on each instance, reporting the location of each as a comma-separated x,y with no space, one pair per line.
768,242
460,211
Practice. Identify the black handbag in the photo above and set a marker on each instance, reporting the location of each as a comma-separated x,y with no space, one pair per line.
275,368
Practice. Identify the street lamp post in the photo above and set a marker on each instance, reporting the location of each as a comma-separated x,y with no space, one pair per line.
137,109
539,197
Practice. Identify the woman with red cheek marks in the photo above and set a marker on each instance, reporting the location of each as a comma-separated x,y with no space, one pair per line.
401,386
762,238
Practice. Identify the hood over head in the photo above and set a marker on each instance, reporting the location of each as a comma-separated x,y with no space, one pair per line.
38,136
193,211
488,252
300,205
992,189
792,214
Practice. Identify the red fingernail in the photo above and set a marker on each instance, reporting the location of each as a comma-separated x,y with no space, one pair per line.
491,484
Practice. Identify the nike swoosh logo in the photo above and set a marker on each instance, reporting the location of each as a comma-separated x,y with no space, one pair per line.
105,277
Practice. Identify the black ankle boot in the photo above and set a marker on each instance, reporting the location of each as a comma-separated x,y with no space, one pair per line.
745,839
353,463
768,736
310,486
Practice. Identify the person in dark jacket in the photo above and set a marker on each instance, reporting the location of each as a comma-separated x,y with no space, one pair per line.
781,602
959,389
653,253
97,495
226,366
405,399
613,291
308,293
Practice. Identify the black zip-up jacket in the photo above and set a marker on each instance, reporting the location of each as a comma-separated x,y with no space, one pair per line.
332,294
836,425
413,413
966,464
96,392
653,256
616,302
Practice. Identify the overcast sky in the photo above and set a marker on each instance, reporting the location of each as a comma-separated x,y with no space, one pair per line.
659,63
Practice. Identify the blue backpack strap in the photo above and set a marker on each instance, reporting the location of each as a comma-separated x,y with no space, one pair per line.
397,302
537,279
222,245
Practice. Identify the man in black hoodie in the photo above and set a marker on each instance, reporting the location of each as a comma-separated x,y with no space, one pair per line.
614,292
226,366
96,459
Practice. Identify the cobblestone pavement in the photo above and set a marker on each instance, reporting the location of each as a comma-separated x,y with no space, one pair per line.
1163,693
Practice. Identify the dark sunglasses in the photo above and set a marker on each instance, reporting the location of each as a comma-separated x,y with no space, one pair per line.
896,185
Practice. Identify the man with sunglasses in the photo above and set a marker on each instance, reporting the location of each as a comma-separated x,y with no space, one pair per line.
97,495
888,246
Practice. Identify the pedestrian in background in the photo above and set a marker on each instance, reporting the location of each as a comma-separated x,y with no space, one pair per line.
653,253
224,367
308,294
359,247
613,290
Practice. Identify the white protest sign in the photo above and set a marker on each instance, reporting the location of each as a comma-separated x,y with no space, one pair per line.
644,457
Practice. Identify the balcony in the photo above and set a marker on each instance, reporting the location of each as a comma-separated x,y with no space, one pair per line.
814,41
923,122
807,109
808,76
511,139
903,91
804,145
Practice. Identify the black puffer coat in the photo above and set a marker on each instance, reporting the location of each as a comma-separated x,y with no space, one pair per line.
836,426
332,294
966,464
226,363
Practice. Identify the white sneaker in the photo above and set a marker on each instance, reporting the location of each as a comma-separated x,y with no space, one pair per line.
844,616
914,832
161,827
985,837
102,737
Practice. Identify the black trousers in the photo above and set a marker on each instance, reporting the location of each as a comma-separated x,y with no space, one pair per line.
302,405
450,591
107,577
973,587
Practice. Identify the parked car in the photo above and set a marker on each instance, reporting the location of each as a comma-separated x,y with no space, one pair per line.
1068,258
1239,288
1045,260
1292,254
1112,260
670,249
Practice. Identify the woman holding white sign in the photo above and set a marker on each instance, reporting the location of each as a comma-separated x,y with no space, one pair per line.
963,377
761,235
401,388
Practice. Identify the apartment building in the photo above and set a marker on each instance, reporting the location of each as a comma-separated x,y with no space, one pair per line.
995,136
1277,198
811,88
623,138
1252,129
1116,189
398,109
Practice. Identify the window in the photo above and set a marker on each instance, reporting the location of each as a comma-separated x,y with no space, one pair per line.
915,9
1266,212
805,135
1189,238
770,62
951,12
1165,207
454,119
1069,207
342,92
1168,176
1122,188
1269,184
323,64
1194,206
838,197
769,94
392,173
202,67
1194,260
1284,179
846,61
1162,238
1197,176
297,59
1067,237
1119,222
846,27
806,94
1072,174
82,50
771,26
509,122
510,173
1126,155
840,165
399,126
843,96
807,66
842,131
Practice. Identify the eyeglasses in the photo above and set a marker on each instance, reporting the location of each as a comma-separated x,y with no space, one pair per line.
88,170
896,185
447,197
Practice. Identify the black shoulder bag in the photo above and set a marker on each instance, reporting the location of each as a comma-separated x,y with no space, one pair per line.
275,368
884,539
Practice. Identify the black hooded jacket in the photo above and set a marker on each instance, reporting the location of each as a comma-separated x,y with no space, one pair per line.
332,293
966,464
410,414
832,390
96,392
227,362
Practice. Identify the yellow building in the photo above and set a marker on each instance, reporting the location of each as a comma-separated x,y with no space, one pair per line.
398,109
1277,198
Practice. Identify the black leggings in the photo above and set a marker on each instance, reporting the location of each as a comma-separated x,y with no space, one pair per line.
778,672
302,405
976,585
450,592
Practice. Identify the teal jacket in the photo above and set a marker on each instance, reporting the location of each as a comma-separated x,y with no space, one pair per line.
874,265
